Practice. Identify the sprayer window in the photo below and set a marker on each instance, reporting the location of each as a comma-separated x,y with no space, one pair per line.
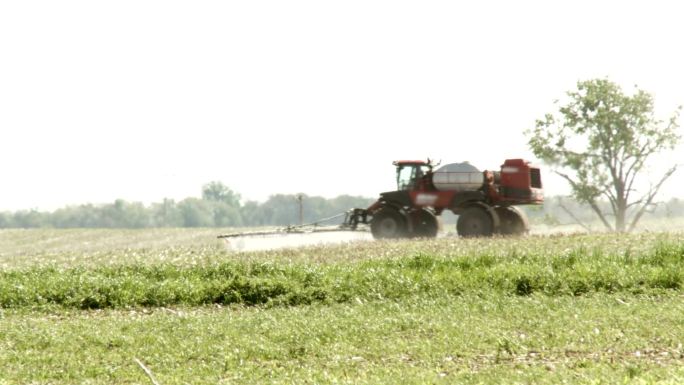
404,177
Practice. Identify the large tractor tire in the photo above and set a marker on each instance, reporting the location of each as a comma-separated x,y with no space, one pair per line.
425,224
388,223
475,221
513,221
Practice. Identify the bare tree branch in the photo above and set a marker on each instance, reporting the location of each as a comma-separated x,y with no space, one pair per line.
572,215
611,198
591,202
633,169
568,153
649,197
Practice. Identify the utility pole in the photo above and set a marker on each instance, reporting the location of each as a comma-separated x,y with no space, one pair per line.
300,198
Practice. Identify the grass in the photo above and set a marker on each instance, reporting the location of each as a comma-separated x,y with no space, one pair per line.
253,283
542,309
510,270
423,339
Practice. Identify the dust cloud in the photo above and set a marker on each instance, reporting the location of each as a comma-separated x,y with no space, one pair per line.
281,241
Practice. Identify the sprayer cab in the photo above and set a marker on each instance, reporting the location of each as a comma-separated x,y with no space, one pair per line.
411,172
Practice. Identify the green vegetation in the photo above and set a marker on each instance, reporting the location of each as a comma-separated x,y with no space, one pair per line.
80,306
446,339
236,282
219,206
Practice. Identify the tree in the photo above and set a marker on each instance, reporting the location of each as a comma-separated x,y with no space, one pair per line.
85,215
6,220
226,215
280,210
30,219
196,213
225,204
122,214
252,214
218,192
166,214
600,141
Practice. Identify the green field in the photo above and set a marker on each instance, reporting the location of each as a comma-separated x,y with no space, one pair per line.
85,306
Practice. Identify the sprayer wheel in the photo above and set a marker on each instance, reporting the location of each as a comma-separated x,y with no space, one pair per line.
425,224
475,222
513,220
388,223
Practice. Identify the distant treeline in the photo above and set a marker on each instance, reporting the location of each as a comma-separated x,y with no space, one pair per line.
219,206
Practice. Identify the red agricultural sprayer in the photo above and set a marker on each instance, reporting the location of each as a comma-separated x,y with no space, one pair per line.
485,202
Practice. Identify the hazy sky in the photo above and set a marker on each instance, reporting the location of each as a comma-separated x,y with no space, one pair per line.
143,100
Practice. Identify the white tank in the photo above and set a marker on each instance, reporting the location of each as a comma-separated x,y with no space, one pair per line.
457,177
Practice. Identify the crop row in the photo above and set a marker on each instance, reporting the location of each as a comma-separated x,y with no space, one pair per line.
272,283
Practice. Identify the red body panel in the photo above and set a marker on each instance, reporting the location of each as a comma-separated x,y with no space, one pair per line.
515,173
434,198
520,182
